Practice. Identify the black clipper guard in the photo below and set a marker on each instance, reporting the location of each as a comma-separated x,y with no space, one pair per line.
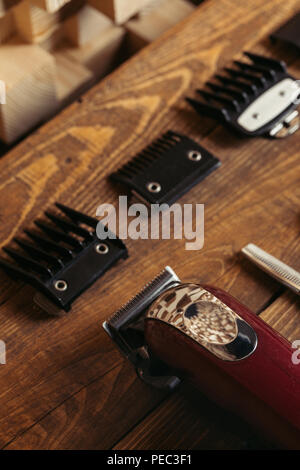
255,98
62,258
166,169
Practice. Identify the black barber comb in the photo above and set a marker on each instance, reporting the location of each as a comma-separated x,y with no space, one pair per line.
255,98
166,169
62,257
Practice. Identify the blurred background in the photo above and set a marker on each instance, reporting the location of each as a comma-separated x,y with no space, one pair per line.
51,51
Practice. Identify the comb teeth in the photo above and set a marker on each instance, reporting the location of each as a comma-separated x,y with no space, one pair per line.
272,64
39,253
238,88
62,259
47,252
139,302
257,81
269,74
247,79
238,84
58,235
77,216
48,244
243,78
240,96
27,262
230,103
68,227
150,154
210,110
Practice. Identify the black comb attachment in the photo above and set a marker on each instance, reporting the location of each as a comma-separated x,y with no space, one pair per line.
255,97
166,169
62,256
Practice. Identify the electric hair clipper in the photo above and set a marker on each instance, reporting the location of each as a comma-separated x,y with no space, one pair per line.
173,330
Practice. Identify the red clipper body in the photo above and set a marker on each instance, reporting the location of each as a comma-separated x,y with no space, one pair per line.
204,335
263,387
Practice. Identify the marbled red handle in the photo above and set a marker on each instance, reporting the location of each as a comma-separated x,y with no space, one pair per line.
263,388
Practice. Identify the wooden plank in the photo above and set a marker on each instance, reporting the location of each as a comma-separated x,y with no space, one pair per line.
5,6
85,25
28,73
187,420
283,315
6,27
33,23
154,21
70,8
120,387
72,78
118,10
57,36
237,278
57,359
50,5
52,41
99,54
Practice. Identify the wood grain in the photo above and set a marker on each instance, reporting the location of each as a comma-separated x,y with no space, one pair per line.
190,421
283,316
65,385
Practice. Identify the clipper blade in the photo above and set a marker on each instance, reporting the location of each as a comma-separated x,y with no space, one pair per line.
125,328
137,304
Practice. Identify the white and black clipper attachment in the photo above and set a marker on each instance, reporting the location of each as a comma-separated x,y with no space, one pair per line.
166,169
255,98
126,328
61,257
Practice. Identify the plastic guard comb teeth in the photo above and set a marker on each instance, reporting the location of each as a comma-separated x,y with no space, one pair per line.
61,257
255,98
166,169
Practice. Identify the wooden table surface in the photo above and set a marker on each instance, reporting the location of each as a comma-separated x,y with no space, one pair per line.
65,385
